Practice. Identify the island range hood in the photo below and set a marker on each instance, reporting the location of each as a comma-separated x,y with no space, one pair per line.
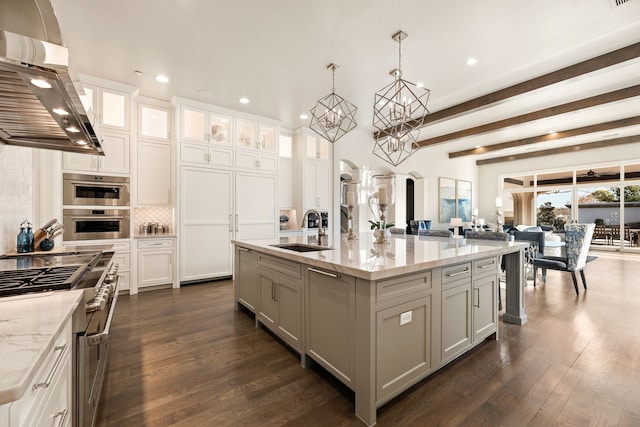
39,104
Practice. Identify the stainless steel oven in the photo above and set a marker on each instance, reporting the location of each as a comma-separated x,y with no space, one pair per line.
96,224
96,275
95,190
92,344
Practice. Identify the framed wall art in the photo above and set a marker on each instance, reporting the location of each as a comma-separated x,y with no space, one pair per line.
446,199
454,200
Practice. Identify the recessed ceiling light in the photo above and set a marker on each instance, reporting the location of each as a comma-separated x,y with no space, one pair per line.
471,61
244,100
73,129
162,79
42,84
60,111
138,73
478,146
304,116
551,132
81,142
420,84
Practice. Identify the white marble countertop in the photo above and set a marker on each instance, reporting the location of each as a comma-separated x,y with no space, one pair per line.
401,255
28,325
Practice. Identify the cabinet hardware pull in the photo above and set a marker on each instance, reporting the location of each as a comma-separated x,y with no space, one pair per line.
326,273
458,273
478,299
482,267
62,349
236,223
63,417
230,223
273,291
243,249
155,244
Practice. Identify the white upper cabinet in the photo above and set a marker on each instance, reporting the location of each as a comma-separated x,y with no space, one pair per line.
106,108
193,124
116,147
316,147
220,128
200,125
153,122
247,134
268,138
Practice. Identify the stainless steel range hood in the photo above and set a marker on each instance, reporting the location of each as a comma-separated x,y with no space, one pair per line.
39,104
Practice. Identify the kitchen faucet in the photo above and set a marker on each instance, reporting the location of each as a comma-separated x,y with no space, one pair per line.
322,235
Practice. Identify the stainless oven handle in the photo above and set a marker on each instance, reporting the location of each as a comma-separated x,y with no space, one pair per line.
62,349
98,184
97,217
101,337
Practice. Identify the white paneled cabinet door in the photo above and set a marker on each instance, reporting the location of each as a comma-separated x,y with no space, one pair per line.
256,210
115,159
154,173
206,201
155,267
116,153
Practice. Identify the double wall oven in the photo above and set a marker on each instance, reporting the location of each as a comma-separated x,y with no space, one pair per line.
96,207
94,273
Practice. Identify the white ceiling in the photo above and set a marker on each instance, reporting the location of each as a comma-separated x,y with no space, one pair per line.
276,52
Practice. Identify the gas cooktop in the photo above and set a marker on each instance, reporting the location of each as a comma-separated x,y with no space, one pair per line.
38,273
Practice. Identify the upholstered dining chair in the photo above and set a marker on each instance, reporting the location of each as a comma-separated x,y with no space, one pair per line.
435,233
577,241
491,235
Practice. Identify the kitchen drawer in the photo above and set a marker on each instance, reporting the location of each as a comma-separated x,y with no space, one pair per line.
399,287
57,412
28,410
280,265
122,246
456,273
124,278
155,243
485,265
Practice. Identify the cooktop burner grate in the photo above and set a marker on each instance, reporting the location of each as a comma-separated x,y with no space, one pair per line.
15,282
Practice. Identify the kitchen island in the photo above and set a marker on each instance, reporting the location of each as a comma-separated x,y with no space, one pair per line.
380,318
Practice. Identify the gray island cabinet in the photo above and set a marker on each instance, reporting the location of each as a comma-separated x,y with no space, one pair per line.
380,318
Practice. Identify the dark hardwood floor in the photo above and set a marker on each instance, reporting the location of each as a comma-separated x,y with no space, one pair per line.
184,357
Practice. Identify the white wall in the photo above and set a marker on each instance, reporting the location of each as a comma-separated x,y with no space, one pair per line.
16,193
430,163
488,174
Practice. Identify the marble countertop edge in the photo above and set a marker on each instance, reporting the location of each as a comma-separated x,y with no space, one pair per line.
23,358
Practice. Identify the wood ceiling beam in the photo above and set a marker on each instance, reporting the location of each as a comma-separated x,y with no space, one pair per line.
594,64
560,150
599,127
569,107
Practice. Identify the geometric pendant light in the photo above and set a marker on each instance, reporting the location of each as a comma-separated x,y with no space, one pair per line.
332,117
399,110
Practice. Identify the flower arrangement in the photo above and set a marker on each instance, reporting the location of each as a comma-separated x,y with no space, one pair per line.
284,218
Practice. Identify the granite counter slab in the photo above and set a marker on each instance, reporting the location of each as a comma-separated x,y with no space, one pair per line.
28,326
403,254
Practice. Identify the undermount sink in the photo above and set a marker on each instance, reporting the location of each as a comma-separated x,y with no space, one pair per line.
301,247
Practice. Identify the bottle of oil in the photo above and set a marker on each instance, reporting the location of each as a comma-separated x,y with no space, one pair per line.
30,238
22,243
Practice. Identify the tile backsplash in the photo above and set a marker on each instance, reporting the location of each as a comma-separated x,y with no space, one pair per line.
16,193
161,215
